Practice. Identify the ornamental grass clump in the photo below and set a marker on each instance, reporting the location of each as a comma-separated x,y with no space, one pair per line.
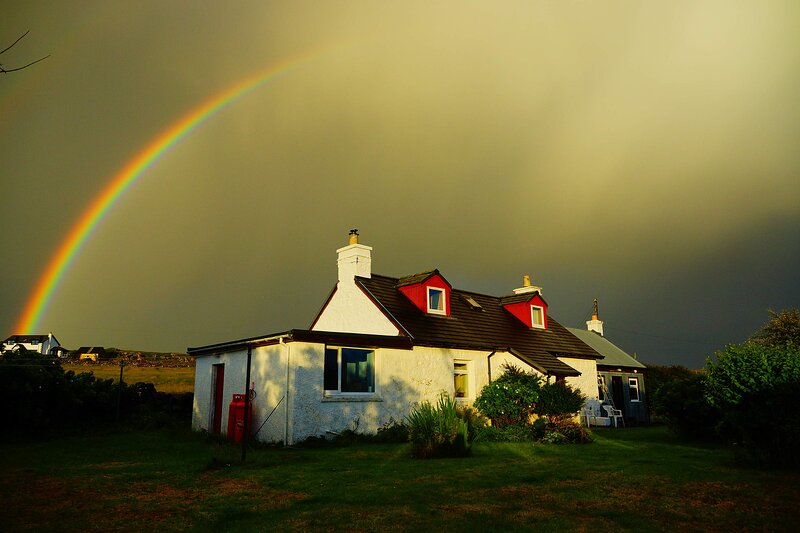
440,430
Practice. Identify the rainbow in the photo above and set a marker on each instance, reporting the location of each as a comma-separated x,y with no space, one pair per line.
123,180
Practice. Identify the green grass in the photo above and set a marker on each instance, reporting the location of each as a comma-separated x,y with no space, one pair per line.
166,379
633,479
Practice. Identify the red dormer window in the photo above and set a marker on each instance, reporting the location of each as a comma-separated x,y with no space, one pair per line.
429,291
530,309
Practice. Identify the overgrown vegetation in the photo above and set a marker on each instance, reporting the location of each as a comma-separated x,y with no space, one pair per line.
39,398
523,407
746,395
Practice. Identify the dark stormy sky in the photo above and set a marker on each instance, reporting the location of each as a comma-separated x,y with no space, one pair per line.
643,153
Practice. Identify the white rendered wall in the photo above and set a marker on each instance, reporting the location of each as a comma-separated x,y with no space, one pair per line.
351,311
267,373
587,381
403,379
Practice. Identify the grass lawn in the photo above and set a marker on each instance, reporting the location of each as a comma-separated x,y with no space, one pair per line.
166,379
637,479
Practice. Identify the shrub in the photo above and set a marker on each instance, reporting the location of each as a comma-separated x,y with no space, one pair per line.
658,376
565,431
38,398
752,384
559,401
439,430
392,431
683,406
510,400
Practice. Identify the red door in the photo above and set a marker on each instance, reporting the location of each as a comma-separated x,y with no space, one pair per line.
217,386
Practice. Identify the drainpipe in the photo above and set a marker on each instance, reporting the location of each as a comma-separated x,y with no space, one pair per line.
286,426
246,433
489,364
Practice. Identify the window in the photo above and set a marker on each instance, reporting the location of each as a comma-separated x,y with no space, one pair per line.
436,301
461,379
633,386
537,316
601,388
349,370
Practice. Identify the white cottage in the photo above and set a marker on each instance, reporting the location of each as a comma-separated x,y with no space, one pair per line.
379,346
43,344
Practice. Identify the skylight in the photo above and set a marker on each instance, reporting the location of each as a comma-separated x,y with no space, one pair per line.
472,302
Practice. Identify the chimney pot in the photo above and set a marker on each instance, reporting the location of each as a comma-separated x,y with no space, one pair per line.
527,286
354,259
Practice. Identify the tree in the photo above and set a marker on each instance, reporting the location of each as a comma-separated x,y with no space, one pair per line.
754,385
781,330
4,70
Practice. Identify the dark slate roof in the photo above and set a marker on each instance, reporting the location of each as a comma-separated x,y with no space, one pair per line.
19,339
488,328
517,298
413,279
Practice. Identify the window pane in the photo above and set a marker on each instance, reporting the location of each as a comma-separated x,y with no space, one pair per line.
536,313
435,299
633,384
460,380
601,388
358,370
331,369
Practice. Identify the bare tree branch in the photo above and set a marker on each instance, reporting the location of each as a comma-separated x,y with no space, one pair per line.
15,42
9,47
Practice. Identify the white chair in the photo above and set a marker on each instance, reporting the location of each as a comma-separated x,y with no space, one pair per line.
615,415
593,415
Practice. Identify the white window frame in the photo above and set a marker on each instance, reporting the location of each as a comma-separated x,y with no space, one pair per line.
462,372
533,323
339,392
633,384
431,310
602,391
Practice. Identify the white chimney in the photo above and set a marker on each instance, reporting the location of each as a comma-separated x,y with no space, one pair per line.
354,259
527,287
595,324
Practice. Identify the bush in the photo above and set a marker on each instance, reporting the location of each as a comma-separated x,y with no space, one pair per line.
683,405
559,401
754,385
510,400
510,433
564,431
38,398
658,376
392,431
439,430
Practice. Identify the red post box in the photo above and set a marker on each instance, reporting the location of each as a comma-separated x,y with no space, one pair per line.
236,418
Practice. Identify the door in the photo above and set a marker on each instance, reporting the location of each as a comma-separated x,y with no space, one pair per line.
217,389
617,394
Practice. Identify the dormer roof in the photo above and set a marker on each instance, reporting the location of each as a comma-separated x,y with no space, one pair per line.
421,277
519,298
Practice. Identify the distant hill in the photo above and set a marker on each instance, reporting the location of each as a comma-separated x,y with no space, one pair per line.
113,356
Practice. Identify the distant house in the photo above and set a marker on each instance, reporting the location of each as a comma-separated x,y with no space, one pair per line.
381,345
620,377
43,344
92,353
